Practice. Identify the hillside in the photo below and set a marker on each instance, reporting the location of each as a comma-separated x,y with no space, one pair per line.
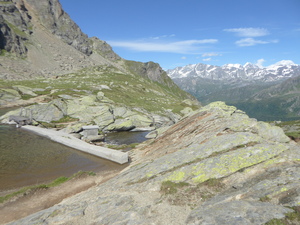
279,102
45,58
269,93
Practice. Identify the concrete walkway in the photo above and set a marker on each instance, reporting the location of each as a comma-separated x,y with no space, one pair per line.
69,140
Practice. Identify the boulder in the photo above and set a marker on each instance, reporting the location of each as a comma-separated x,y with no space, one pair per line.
47,112
103,117
119,111
24,90
102,98
94,138
140,120
9,94
186,111
121,125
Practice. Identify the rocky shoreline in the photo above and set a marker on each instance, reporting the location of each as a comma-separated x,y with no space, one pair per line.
35,200
71,141
215,166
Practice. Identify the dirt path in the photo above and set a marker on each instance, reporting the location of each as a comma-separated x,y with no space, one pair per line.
35,201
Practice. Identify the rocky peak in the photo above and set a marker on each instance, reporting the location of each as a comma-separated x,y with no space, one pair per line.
13,28
49,43
238,73
51,16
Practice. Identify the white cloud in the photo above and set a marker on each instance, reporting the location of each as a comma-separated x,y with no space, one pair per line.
210,54
163,36
249,32
206,59
251,42
260,62
183,47
183,57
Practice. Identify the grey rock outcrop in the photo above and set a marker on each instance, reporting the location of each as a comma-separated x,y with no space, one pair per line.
12,29
86,110
221,167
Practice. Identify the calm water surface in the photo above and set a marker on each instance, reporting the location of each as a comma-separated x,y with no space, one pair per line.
28,159
126,137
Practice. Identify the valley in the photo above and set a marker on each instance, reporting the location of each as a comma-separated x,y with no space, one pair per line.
267,94
209,157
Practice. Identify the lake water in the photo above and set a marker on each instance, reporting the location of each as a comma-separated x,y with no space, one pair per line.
126,137
29,159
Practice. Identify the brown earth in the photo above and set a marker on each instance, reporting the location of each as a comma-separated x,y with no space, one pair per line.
37,200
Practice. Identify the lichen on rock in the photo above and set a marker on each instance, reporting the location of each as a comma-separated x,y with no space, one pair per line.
251,160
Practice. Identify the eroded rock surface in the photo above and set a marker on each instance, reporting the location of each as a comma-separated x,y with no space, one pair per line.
222,167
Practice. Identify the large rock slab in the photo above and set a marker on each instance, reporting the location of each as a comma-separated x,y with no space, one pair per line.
24,90
256,166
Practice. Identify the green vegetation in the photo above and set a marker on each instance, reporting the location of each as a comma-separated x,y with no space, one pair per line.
26,97
6,3
56,182
291,218
291,128
265,198
293,135
169,187
283,107
123,147
65,119
2,52
124,89
183,193
15,29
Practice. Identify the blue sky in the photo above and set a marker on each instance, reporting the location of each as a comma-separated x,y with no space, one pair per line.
180,32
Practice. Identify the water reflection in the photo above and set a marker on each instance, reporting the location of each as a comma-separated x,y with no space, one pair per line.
27,159
126,137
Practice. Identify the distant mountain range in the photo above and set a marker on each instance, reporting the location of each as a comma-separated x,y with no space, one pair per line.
269,93
237,72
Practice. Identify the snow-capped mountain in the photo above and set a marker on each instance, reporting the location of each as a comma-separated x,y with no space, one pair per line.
237,72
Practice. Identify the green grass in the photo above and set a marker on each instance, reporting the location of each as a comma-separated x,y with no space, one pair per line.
291,218
265,198
293,134
126,89
56,182
26,97
183,193
65,119
169,187
16,29
3,52
122,147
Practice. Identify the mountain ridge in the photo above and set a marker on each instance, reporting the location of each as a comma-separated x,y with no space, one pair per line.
235,72
57,66
269,93
39,39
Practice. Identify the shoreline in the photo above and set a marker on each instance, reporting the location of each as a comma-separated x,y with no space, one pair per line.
71,141
36,200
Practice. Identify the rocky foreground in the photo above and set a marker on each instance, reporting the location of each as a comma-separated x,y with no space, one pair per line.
215,166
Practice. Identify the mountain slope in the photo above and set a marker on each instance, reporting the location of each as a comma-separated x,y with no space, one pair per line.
39,39
45,58
279,102
269,93
237,73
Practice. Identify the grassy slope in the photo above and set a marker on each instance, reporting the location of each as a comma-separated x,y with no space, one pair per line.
126,89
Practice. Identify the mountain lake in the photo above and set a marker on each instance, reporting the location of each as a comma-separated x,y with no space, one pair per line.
29,159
